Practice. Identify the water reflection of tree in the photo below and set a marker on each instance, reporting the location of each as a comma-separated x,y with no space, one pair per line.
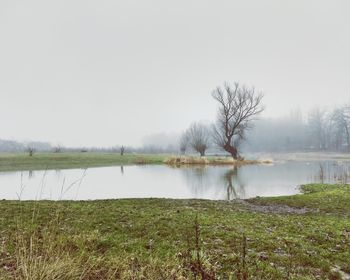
228,177
214,182
198,179
235,188
199,184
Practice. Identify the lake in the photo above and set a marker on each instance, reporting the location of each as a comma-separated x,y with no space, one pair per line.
160,181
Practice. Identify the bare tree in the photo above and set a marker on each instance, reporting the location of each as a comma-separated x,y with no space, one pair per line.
341,118
122,150
57,149
184,142
317,128
238,106
31,151
198,137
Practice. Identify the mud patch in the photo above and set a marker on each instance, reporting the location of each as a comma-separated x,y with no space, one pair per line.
276,209
341,273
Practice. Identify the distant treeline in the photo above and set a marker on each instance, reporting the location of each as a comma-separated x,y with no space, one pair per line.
15,146
36,146
149,149
321,130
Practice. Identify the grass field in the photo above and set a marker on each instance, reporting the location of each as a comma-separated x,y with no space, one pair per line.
22,161
262,238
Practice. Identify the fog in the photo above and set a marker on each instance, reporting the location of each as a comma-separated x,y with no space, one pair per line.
137,73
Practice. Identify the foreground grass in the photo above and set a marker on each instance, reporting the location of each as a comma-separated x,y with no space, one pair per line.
177,239
22,161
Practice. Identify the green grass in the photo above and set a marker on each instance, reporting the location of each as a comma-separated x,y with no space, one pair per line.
22,161
327,199
163,239
66,160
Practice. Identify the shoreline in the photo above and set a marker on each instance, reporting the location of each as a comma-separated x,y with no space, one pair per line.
50,161
69,160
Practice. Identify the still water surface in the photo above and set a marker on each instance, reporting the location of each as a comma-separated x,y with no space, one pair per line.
211,182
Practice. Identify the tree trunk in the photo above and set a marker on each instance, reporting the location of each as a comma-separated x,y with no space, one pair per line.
232,150
202,153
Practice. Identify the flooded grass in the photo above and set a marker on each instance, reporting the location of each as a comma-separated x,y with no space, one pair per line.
338,172
178,239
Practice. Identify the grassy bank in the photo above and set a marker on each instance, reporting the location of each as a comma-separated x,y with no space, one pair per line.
42,161
22,161
179,239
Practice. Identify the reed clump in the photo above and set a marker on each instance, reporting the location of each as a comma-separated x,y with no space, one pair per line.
182,160
189,160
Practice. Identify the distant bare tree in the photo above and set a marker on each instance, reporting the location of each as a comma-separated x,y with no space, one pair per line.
57,149
317,128
198,137
184,142
31,151
238,106
122,150
341,119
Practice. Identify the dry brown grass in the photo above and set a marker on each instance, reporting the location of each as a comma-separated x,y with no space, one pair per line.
187,160
41,252
182,160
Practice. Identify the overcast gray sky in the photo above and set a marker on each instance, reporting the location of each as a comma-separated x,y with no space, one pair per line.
106,72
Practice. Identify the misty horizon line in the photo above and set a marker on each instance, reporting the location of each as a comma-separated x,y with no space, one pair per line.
148,140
